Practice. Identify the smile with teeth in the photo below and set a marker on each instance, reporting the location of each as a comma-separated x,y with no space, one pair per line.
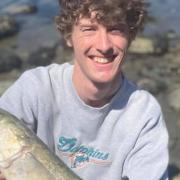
102,60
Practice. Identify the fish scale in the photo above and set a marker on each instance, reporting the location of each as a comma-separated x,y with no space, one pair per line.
24,156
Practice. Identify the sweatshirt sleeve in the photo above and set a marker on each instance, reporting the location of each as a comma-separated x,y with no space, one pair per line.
149,156
20,100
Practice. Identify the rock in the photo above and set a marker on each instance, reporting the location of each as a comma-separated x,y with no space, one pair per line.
8,26
174,97
171,34
174,172
161,44
176,177
174,56
144,45
21,9
42,57
151,85
9,61
63,54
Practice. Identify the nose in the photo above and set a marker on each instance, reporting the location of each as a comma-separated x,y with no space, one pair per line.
103,43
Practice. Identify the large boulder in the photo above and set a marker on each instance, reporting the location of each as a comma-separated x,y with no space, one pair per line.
177,177
9,61
8,26
142,45
152,85
21,9
174,172
42,57
174,97
145,45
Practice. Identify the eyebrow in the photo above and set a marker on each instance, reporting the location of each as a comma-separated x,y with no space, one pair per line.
87,24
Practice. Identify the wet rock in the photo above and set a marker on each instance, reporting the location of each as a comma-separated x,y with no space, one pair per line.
151,85
142,45
8,26
21,9
174,172
171,34
161,44
63,54
9,61
157,45
174,56
42,57
174,97
176,177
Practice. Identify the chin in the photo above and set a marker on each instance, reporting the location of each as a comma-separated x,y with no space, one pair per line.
103,81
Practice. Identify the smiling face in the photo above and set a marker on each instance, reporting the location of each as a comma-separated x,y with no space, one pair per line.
98,51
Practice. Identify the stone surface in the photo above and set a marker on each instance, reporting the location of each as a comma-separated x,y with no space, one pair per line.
21,9
145,45
174,97
9,61
41,57
174,173
176,177
151,85
142,46
8,26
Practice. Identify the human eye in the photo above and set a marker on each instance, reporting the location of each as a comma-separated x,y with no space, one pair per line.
119,30
87,29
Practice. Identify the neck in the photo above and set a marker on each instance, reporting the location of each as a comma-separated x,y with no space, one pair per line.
95,94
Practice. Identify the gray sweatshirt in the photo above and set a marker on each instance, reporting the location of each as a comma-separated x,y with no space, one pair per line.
125,138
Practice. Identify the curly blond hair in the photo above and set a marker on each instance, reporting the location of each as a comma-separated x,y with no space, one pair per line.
109,12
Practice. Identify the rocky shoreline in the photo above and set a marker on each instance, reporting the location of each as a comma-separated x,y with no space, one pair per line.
153,63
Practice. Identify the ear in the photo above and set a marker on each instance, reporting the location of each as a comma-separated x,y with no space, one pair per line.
68,40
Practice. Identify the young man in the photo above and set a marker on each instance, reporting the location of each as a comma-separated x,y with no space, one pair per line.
100,124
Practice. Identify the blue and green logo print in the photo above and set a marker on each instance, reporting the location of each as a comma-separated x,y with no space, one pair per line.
80,155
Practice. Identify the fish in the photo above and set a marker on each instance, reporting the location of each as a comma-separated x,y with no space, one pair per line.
24,156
